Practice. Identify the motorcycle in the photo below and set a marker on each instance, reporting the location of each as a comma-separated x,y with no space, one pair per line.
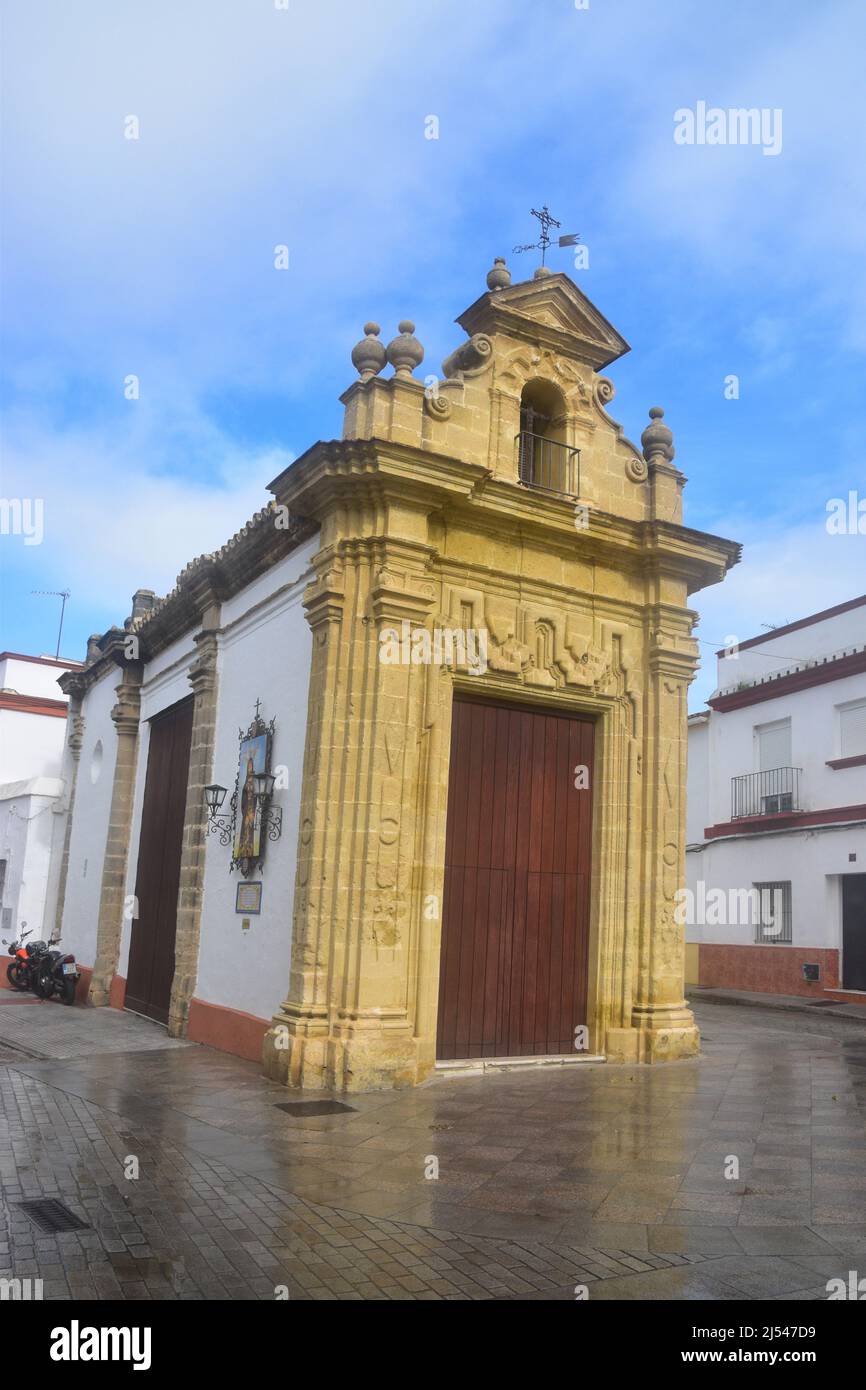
55,973
25,959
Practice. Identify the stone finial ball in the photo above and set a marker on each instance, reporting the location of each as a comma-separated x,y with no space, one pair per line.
542,272
657,439
405,352
368,356
499,277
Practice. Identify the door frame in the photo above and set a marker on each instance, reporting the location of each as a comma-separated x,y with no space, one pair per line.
565,710
172,710
850,989
606,925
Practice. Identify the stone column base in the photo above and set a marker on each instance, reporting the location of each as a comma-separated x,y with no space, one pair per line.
307,1057
659,1033
99,990
666,1032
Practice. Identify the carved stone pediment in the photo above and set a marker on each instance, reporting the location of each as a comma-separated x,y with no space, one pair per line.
552,312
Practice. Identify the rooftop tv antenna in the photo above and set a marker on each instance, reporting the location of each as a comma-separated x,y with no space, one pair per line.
56,593
547,221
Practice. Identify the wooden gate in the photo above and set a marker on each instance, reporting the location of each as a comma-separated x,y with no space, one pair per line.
151,950
515,922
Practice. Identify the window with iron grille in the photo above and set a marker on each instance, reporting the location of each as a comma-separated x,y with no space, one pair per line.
773,917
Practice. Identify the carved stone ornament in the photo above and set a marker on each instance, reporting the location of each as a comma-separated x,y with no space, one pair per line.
471,358
636,469
436,405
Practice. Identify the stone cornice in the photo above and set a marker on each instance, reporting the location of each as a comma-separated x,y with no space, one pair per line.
74,683
377,471
337,469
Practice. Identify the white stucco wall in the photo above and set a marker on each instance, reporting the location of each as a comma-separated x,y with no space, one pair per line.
27,829
697,799
264,654
90,820
809,643
812,860
35,677
31,745
32,794
814,740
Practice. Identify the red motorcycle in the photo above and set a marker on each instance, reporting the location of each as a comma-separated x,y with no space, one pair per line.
20,972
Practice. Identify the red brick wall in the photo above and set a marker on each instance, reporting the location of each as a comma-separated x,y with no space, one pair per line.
768,969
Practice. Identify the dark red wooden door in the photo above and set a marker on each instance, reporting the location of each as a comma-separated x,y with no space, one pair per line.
854,931
515,921
151,950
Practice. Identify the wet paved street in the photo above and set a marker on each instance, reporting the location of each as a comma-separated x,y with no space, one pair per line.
612,1178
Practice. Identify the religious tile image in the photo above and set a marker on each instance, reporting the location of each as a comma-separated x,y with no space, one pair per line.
252,760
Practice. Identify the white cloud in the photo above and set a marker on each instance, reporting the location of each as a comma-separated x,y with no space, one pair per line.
114,522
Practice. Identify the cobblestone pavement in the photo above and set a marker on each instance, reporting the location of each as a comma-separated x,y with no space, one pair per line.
609,1178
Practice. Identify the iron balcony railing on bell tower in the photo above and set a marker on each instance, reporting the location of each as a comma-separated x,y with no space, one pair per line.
546,464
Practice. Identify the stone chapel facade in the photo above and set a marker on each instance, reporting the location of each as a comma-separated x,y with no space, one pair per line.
473,857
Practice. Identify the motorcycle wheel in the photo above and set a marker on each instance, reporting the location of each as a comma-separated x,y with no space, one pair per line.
42,986
13,975
68,991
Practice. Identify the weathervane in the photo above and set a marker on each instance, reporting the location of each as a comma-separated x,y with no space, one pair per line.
544,217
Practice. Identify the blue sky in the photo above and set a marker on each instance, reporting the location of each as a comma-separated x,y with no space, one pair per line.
305,126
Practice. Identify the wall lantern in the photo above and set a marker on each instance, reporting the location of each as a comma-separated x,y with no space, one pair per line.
214,795
253,819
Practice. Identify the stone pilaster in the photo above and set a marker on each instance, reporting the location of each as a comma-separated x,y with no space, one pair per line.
664,1025
74,739
203,679
348,1022
110,925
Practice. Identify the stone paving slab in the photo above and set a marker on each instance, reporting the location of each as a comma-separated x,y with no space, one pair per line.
604,1178
52,1029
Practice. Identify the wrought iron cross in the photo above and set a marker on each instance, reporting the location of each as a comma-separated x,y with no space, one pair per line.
547,221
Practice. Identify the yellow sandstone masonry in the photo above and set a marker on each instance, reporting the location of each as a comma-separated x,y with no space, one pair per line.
424,517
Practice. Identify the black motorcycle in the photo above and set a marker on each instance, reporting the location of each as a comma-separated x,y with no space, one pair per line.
55,973
20,971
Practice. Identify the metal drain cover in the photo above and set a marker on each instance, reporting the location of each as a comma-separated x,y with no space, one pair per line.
315,1107
51,1216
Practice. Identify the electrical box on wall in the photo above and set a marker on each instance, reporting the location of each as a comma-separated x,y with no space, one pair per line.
811,972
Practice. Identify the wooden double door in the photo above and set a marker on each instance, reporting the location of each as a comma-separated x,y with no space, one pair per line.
515,921
151,951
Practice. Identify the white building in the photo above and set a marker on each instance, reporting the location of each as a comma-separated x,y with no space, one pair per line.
32,792
776,829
